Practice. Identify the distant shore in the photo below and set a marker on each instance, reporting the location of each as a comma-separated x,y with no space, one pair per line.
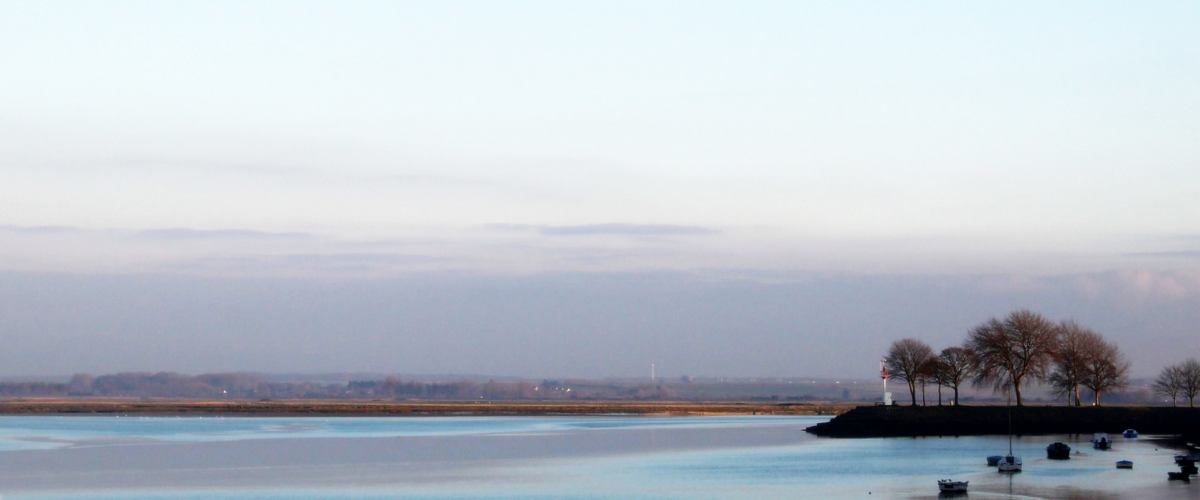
897,421
69,406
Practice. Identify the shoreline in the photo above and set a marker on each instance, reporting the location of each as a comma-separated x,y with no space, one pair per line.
350,408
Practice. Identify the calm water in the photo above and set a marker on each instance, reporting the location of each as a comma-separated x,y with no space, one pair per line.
537,457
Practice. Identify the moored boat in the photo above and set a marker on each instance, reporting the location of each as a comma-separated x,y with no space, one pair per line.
952,486
1190,459
1124,464
1130,434
994,460
1100,441
1058,451
1009,464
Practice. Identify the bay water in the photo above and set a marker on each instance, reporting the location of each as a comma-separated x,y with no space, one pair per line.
540,457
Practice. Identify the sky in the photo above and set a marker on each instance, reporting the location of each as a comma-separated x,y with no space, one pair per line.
580,189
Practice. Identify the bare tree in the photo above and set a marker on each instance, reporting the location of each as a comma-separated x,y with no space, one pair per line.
1104,368
926,374
955,365
1190,381
905,360
934,372
1170,382
1070,359
1013,351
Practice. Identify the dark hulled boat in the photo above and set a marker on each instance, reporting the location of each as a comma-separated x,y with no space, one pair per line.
1058,451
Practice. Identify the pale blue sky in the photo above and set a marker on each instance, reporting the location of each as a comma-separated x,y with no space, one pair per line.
1008,141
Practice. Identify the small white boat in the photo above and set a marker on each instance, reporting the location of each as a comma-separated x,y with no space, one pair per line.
1129,434
1124,464
1009,464
952,486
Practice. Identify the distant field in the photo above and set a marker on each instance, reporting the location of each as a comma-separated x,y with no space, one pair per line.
69,406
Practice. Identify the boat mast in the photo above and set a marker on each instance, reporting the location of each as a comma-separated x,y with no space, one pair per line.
1008,403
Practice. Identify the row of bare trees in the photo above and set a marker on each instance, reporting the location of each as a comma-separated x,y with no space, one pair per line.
914,362
1008,354
1178,380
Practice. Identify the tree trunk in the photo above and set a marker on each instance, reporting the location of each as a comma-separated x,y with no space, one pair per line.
923,393
1078,401
939,394
1096,400
1016,386
956,395
912,392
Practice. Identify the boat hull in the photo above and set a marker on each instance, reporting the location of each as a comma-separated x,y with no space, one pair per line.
1058,451
1009,464
948,486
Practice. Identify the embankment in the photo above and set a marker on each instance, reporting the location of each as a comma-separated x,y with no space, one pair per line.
887,421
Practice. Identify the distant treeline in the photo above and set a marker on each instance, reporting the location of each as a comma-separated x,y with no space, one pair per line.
254,386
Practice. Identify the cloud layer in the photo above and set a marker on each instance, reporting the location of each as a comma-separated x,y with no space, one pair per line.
556,324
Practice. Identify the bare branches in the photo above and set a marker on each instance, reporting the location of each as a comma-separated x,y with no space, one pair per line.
1190,386
1069,360
1024,347
954,366
1105,368
906,360
1181,379
993,354
1084,358
1014,350
1170,383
